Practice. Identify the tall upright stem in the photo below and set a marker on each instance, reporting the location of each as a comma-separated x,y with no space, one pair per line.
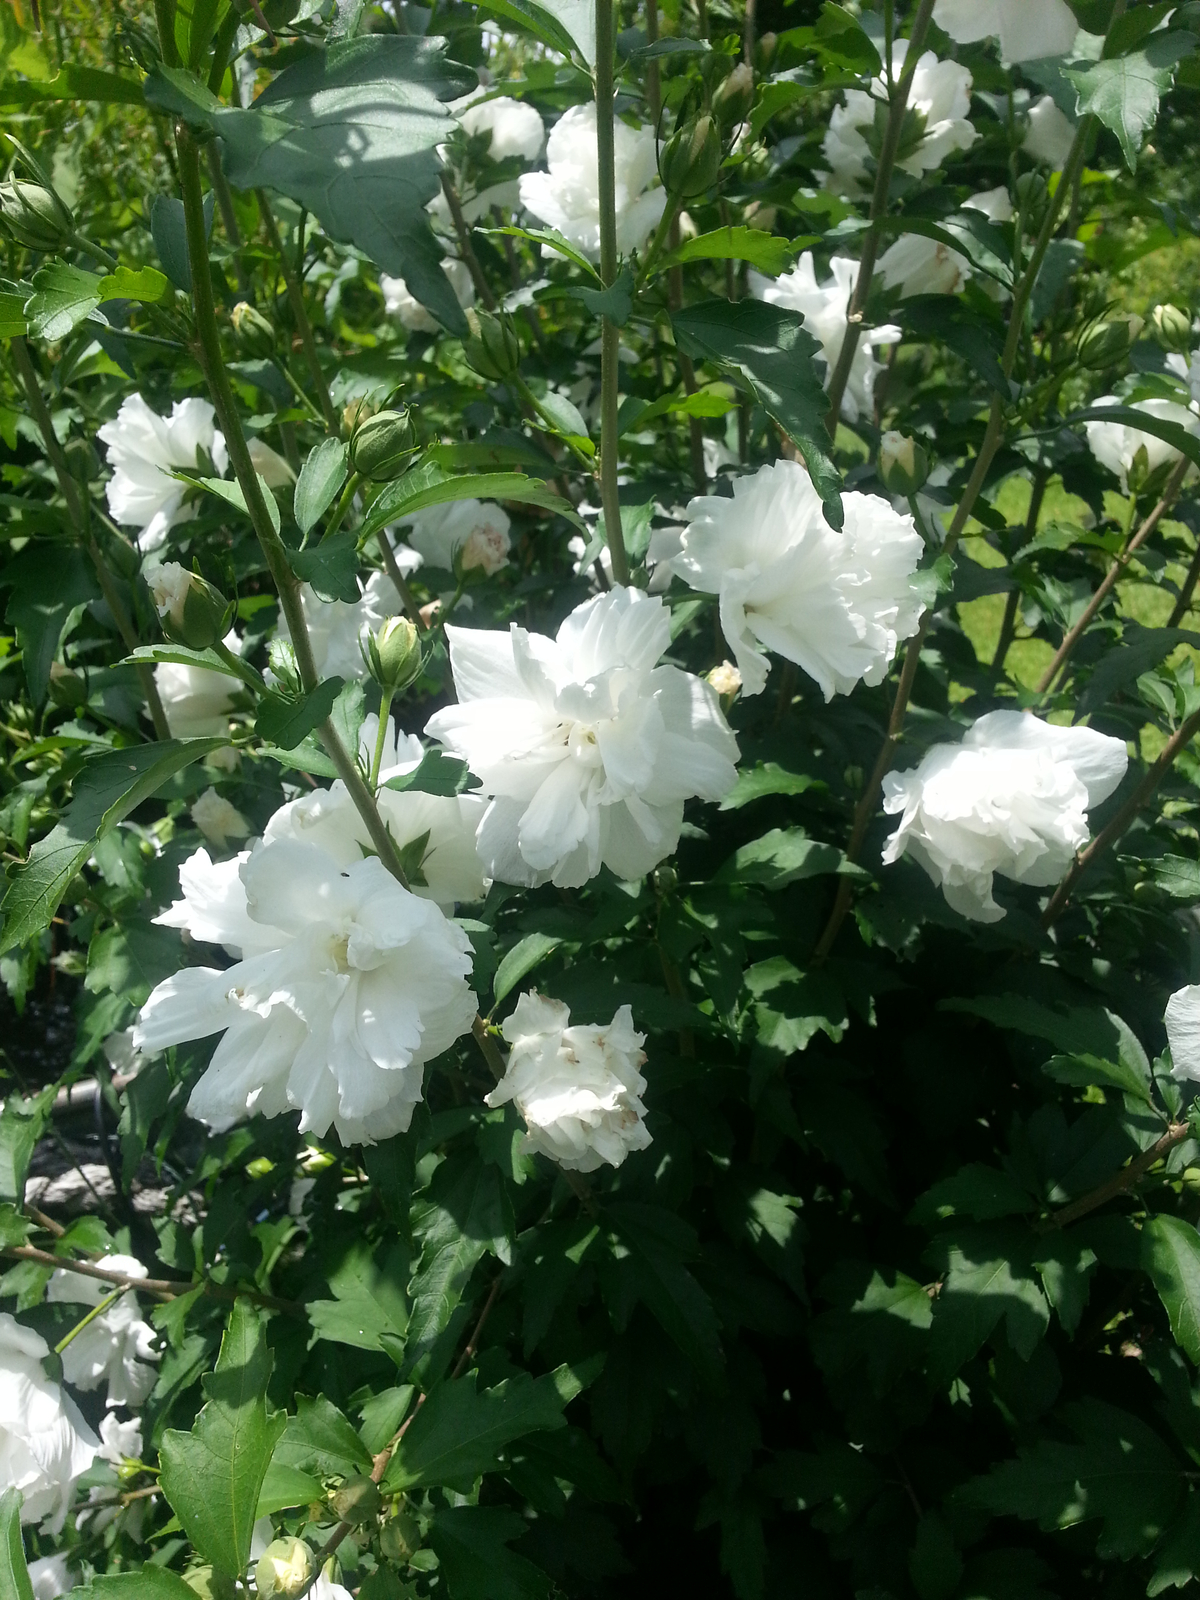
295,292
609,334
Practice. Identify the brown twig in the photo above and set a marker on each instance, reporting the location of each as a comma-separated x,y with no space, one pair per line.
1120,1181
161,1288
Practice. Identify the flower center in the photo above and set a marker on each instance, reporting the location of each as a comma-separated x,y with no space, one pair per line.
583,744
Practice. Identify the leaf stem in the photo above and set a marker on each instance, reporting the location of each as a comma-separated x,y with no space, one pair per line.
609,333
1120,1181
96,1311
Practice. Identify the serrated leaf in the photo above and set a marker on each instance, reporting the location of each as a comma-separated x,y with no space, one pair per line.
330,567
1124,93
986,1281
471,1545
435,773
459,1432
783,856
754,783
149,1583
284,721
615,302
146,283
1082,1070
660,1245
14,1574
555,240
47,582
368,1301
320,1441
765,251
321,478
62,297
230,490
975,1191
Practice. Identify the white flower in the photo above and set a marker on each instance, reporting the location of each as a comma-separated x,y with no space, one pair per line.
568,196
1114,444
196,701
270,465
479,529
578,1088
588,746
940,91
116,1346
824,308
1183,1031
516,128
917,265
1050,135
399,302
169,583
837,604
44,1443
337,628
120,1441
1028,29
347,985
219,820
1012,798
50,1577
143,450
725,679
996,204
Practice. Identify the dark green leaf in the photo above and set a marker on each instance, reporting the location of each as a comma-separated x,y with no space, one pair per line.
331,567
471,1545
320,1441
21,1125
1172,433
14,1574
660,1244
73,82
780,857
459,1432
615,302
765,251
321,477
1124,93
62,297
530,952
284,721
428,485
170,237
1171,1254
753,783
148,1583
368,1300
436,773
975,1191
47,582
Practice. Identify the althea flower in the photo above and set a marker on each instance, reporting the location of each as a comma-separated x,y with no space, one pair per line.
1182,1021
1115,444
218,819
996,204
345,986
120,1441
568,196
578,1088
50,1577
513,127
1012,798
337,628
917,265
476,531
587,745
1028,29
143,450
940,91
197,701
824,308
1050,134
44,1442
399,302
837,604
115,1347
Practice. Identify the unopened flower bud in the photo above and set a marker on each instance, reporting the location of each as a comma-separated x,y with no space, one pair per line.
34,216
492,348
192,611
358,1499
691,158
1172,328
725,679
253,332
382,445
285,1569
67,688
903,464
393,654
1107,343
764,51
732,101
1032,198
401,1538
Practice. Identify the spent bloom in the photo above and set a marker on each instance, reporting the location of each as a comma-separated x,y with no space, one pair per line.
1115,445
837,604
116,1347
940,92
588,747
578,1088
567,197
44,1442
1050,134
344,986
338,629
1012,798
400,303
476,531
513,128
1027,29
144,449
825,308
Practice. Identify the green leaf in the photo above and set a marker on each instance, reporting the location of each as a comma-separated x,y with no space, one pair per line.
1178,876
321,1442
436,773
765,251
230,490
660,1243
212,1476
459,1432
428,485
842,38
107,789
146,283
148,1583
169,233
21,1125
284,721
556,241
1171,1255
564,417
783,856
470,1543
1127,1076
368,1300
12,309
528,953
939,319
975,1191
73,82
380,97
331,567
771,351
754,783
62,297
321,477
986,1281
1124,93
615,302
286,1487
14,1574
131,959
48,581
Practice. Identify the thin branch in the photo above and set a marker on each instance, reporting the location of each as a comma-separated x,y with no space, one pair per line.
609,333
295,291
482,287
1121,1181
160,1288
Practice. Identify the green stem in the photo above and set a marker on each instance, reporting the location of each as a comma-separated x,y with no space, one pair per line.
609,334
399,581
482,287
343,505
86,245
164,16
295,292
385,711
228,216
660,234
241,669
527,394
91,1317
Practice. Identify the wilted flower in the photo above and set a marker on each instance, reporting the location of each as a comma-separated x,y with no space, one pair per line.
587,745
143,450
116,1346
476,531
1115,444
338,629
1012,798
824,308
578,1088
218,819
515,128
347,984
1028,29
567,197
837,604
1051,134
917,265
44,1442
120,1441
940,91
400,303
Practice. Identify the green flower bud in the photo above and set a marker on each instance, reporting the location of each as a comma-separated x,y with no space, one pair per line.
192,611
393,654
358,1499
732,101
492,348
1107,343
692,158
1172,328
382,445
903,464
285,1569
34,216
401,1538
252,331
67,688
82,459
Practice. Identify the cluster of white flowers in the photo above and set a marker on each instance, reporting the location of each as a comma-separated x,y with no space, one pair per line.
567,197
1115,445
1027,29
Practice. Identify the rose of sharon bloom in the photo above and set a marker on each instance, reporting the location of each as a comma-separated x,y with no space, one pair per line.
568,196
196,700
578,1088
1027,29
1115,444
337,628
1012,798
588,747
50,1577
476,528
218,819
44,1443
120,1441
515,128
1183,1032
940,91
116,1346
917,265
996,204
837,604
824,308
143,450
1050,135
347,984
400,303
